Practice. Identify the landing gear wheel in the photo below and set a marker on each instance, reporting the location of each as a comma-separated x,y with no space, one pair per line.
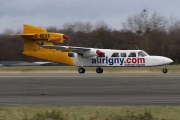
164,70
81,70
99,70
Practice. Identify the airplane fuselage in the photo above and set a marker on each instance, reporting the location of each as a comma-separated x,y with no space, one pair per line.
121,58
39,43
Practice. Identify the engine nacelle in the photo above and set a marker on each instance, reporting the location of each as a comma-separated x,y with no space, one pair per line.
90,53
57,37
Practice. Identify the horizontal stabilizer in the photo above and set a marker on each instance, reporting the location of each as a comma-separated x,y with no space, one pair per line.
33,29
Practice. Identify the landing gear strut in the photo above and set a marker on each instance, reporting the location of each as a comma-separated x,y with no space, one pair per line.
164,70
99,70
81,70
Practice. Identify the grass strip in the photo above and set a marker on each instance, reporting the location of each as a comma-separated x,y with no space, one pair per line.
90,113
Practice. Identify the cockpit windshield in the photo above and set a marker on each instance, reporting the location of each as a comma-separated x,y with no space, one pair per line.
142,54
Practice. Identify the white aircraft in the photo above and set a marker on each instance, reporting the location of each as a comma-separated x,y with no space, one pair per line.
94,57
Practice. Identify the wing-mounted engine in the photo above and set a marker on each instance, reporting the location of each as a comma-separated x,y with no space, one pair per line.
99,53
92,53
85,52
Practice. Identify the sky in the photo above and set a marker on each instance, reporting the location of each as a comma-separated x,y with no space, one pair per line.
55,13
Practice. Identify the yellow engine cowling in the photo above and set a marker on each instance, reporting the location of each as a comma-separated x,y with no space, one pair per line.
57,37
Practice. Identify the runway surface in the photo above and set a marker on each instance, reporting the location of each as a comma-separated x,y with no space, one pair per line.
89,89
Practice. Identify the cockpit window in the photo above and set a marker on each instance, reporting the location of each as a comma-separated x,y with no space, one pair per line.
142,54
115,55
132,54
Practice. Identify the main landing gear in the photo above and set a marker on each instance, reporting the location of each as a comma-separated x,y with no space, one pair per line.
82,70
99,70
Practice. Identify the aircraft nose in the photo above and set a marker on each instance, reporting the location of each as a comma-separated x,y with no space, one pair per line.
167,60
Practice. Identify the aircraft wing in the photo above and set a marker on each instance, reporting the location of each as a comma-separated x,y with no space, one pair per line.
66,48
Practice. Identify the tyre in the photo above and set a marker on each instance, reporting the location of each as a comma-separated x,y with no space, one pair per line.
81,70
99,70
165,70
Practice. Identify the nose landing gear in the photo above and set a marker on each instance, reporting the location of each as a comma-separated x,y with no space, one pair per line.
164,70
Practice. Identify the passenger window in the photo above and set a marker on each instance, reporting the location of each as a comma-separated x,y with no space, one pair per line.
115,55
71,54
123,54
133,54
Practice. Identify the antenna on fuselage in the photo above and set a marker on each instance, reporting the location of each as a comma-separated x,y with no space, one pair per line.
136,47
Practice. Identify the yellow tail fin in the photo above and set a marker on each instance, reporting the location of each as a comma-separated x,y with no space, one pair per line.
30,43
33,29
33,36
